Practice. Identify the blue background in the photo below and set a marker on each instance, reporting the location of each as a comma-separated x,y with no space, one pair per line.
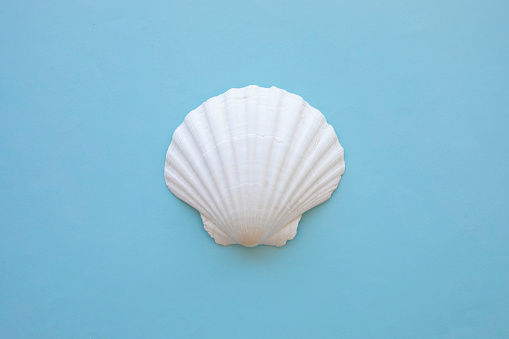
413,244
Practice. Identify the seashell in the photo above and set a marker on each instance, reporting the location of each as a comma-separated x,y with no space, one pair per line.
252,161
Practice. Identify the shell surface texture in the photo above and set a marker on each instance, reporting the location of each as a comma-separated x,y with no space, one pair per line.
252,160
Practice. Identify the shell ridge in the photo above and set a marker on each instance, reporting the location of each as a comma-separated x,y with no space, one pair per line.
319,166
307,172
307,201
242,148
181,148
287,232
262,98
259,97
306,177
304,196
310,173
322,187
261,177
205,183
250,149
302,154
216,233
199,159
269,158
233,201
226,221
179,190
285,200
274,229
320,199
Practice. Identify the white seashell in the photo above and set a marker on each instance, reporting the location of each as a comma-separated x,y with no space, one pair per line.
251,161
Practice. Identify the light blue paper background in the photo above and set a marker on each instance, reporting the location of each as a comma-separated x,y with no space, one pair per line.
413,244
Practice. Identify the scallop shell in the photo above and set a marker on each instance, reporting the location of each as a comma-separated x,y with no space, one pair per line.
252,161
